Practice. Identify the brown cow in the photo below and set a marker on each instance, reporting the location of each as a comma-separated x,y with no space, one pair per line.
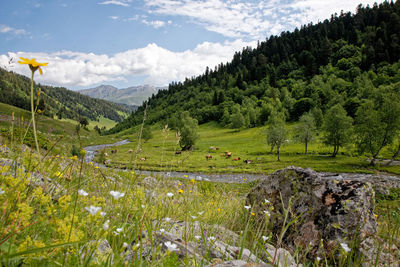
208,156
228,154
143,159
130,151
236,159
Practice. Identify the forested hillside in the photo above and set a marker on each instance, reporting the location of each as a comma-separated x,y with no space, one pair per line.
347,60
59,101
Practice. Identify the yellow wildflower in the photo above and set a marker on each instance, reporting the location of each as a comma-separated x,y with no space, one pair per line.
253,214
192,181
33,64
219,210
180,191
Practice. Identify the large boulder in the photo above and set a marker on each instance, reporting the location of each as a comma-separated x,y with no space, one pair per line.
330,210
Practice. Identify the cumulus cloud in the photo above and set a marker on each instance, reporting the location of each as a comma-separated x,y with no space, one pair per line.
125,3
160,66
11,30
252,20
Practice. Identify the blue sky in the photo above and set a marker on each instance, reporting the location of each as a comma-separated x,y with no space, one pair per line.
133,42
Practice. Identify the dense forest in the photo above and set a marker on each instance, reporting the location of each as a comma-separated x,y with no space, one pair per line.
57,101
347,60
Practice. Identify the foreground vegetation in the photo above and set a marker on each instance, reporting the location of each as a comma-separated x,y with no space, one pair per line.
56,210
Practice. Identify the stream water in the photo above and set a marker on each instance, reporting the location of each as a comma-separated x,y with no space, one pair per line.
235,177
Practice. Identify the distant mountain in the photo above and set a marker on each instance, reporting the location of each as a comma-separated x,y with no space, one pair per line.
58,101
134,95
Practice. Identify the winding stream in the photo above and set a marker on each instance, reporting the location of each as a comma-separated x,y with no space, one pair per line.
237,177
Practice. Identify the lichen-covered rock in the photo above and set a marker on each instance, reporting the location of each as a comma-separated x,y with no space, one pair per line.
329,209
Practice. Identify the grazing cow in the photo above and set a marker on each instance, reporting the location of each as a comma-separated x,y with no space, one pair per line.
211,148
247,161
178,152
143,159
217,148
114,151
130,151
236,159
208,156
228,154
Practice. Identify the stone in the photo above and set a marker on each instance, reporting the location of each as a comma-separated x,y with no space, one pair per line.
238,263
333,210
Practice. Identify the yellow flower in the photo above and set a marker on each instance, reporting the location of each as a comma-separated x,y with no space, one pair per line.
253,214
192,181
33,64
180,191
219,210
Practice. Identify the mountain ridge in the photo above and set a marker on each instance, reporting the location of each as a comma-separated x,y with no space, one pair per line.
133,95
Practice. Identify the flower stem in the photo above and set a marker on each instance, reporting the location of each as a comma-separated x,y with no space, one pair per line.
33,116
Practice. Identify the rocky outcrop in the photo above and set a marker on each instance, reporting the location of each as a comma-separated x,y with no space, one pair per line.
331,210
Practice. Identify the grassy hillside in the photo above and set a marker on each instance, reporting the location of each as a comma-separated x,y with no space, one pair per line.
57,101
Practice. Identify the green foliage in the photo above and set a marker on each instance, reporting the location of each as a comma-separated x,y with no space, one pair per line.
338,128
75,151
146,133
276,132
188,129
25,136
305,131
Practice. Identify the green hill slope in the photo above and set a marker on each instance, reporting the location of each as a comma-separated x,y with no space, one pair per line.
57,101
341,60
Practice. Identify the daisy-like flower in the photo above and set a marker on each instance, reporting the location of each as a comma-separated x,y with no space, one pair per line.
167,219
180,191
106,225
345,247
93,209
247,207
116,194
82,192
170,194
171,246
266,212
118,230
265,238
125,245
102,214
33,64
266,201
162,230
318,259
211,239
197,237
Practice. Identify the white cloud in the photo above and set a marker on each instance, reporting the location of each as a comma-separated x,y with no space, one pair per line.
11,30
252,20
159,65
113,17
156,24
116,2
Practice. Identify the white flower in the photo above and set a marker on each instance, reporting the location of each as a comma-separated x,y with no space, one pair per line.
116,194
93,210
265,238
125,245
318,258
162,230
211,238
143,206
167,219
200,213
247,207
197,237
266,212
102,214
266,201
171,246
170,194
345,247
194,217
106,225
118,230
1,191
82,192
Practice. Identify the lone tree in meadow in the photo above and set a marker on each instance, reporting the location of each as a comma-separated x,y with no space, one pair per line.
377,123
187,127
338,128
305,131
276,132
146,133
